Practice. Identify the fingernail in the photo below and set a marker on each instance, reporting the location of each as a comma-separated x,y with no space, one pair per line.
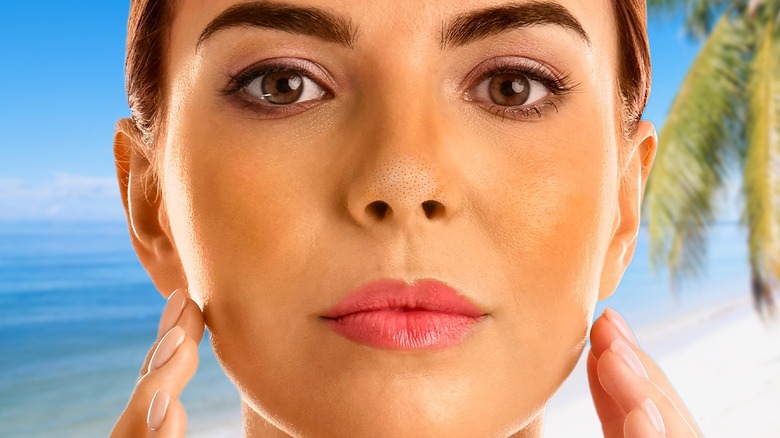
157,409
620,324
655,416
621,348
172,311
167,346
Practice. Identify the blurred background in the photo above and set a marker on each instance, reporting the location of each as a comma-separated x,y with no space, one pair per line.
78,312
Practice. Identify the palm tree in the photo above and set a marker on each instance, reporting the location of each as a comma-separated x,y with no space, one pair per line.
725,117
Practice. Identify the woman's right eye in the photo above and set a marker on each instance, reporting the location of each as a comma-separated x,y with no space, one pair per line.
284,86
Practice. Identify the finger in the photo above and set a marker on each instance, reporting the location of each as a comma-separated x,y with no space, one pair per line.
610,326
191,320
658,377
611,415
604,331
644,422
170,376
177,300
147,359
166,417
607,328
180,310
172,365
172,311
623,376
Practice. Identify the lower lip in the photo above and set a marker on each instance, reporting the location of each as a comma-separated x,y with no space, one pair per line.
404,329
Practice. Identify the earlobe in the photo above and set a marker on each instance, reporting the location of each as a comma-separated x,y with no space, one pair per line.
147,219
632,183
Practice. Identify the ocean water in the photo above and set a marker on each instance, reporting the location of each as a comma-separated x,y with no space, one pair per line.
78,314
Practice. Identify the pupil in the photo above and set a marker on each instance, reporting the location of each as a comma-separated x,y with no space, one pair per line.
510,88
286,85
283,87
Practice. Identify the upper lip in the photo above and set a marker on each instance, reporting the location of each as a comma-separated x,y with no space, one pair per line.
422,295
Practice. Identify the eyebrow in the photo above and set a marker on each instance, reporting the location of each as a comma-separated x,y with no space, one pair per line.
472,26
464,29
284,17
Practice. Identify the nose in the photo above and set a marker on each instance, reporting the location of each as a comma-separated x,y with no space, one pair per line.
405,175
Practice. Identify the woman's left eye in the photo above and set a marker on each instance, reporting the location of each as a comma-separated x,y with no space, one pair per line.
284,87
509,89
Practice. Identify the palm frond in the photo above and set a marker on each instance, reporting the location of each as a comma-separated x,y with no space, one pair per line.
698,143
761,186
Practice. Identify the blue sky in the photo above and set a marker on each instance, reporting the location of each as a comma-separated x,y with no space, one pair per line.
62,90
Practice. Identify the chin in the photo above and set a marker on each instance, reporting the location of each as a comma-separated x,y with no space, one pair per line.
398,418
473,401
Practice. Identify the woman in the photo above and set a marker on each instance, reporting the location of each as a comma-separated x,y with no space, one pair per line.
395,217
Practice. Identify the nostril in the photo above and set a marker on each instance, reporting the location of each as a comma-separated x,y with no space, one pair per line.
377,209
432,208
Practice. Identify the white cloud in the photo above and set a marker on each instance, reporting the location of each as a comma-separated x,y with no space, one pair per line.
64,196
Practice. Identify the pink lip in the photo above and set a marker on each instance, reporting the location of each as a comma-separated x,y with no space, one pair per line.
393,314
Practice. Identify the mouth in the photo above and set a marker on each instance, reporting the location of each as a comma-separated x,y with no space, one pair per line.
392,314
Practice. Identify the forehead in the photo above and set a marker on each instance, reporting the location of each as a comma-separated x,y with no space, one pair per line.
401,21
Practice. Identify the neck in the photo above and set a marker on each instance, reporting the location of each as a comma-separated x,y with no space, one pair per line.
256,426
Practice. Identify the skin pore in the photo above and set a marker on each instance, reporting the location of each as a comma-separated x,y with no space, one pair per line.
494,162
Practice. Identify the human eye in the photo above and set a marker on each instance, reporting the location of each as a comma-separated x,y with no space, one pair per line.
279,88
518,88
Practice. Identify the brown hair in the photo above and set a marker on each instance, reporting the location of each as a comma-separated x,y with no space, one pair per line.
147,42
145,77
634,56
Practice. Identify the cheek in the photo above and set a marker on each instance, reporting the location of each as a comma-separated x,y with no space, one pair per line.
245,206
552,193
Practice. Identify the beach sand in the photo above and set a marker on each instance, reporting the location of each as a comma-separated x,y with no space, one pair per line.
723,361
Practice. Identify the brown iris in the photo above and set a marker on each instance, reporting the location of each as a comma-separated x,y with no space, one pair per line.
509,89
282,87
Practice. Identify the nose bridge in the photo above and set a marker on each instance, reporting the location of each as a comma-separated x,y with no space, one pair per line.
405,174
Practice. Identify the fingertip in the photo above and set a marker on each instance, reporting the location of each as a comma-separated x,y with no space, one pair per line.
172,311
158,408
617,320
654,415
167,347
192,321
608,327
629,357
644,421
601,335
173,375
174,422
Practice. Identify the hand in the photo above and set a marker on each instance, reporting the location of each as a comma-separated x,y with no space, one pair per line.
633,397
154,409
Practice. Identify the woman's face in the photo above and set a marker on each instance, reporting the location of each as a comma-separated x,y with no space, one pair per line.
297,158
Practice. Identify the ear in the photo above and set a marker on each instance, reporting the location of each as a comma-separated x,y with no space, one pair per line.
147,218
631,189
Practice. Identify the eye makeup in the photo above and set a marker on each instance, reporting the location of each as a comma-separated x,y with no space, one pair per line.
528,73
518,77
306,71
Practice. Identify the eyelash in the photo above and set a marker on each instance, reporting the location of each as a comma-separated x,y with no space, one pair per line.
237,82
556,84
